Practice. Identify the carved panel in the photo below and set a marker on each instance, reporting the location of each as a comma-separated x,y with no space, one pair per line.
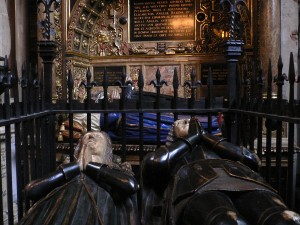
187,76
79,76
134,75
167,73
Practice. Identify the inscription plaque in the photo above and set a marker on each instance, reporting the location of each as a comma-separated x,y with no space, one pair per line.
219,73
113,74
161,20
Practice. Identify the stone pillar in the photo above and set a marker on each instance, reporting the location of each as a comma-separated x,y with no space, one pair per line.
289,39
5,39
269,34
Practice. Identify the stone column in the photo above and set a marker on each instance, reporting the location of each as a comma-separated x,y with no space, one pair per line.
5,39
289,39
269,34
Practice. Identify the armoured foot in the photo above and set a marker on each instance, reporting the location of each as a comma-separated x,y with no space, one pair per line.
228,218
285,217
211,208
266,208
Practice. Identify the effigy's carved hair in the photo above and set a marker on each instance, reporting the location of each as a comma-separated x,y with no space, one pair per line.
179,129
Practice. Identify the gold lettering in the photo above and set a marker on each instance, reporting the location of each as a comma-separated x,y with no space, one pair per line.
164,19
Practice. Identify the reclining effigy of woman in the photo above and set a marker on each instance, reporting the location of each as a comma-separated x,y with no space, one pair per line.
201,179
94,190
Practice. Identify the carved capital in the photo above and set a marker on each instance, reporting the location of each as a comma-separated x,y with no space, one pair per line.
234,49
48,50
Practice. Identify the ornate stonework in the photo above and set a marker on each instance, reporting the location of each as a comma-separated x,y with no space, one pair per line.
94,29
187,76
134,75
99,30
79,76
58,61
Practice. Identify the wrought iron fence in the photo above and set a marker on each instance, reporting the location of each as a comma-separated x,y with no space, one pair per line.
29,123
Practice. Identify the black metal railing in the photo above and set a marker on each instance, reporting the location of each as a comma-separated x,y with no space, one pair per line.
30,123
278,117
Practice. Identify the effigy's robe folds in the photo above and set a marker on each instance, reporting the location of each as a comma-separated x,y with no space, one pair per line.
83,201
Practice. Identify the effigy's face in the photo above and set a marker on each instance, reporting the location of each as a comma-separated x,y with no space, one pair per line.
95,147
181,128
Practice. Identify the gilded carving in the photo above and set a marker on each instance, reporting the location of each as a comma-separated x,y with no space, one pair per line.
134,74
84,44
106,40
90,23
72,24
101,5
211,28
76,41
82,18
139,49
79,76
187,76
99,28
58,60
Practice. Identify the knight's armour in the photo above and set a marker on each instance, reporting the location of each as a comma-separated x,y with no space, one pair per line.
189,182
159,165
215,174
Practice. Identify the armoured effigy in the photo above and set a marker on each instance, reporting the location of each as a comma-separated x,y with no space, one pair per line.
96,189
203,179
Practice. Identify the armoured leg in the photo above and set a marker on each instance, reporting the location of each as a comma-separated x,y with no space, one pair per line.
265,208
211,208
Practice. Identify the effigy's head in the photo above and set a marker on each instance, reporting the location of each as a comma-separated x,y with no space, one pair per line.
94,146
179,129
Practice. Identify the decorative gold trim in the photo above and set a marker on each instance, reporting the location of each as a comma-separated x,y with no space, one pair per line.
80,64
